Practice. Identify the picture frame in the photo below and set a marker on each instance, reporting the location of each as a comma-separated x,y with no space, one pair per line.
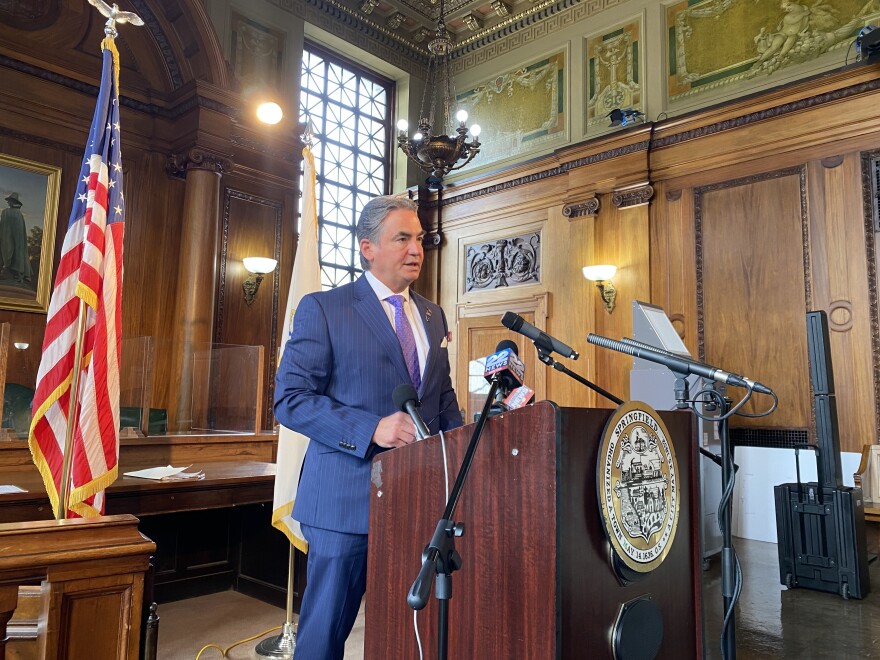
29,202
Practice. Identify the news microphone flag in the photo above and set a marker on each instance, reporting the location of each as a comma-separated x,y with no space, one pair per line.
305,279
90,270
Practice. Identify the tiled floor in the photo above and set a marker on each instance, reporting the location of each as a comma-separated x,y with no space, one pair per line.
772,622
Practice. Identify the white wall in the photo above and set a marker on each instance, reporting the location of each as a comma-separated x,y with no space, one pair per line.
760,469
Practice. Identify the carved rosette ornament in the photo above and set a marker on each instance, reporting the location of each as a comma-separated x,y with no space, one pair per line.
587,208
198,159
629,197
503,263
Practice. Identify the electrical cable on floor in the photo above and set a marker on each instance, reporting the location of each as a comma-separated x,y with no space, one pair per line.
223,652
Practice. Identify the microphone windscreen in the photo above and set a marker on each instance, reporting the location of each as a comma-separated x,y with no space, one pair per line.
403,394
507,343
509,321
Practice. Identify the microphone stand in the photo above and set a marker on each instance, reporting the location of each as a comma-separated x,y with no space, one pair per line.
728,472
728,554
440,557
544,351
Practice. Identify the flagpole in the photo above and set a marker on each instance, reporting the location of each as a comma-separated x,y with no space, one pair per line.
61,513
282,646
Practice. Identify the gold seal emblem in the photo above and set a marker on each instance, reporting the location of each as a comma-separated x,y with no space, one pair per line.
638,486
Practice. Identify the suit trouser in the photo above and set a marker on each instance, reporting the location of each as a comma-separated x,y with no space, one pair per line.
336,579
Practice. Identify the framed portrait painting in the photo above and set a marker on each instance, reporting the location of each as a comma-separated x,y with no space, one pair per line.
29,194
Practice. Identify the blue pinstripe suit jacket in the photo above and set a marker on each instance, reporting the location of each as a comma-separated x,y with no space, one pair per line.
339,368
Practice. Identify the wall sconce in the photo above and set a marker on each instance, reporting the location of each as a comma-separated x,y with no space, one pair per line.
602,275
258,266
21,345
269,112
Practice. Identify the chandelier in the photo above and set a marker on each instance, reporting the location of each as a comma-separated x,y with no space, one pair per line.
439,154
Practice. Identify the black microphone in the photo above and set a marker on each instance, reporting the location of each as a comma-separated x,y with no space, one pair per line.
518,324
677,364
407,400
505,366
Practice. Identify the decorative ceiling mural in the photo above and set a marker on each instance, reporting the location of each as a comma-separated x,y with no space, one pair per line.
777,35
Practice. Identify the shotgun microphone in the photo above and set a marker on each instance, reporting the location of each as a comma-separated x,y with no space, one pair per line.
678,364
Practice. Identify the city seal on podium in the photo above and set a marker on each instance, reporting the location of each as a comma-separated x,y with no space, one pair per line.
638,486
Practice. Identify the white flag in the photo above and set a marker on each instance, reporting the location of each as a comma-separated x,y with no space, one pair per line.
306,278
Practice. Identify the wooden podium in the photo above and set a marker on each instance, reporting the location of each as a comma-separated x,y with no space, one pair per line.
536,581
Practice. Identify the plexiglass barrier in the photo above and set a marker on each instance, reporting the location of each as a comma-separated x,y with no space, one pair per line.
164,388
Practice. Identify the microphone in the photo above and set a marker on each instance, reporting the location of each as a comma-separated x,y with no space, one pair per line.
542,340
519,397
677,364
505,366
406,399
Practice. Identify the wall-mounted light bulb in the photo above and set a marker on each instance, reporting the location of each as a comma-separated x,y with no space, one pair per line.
269,113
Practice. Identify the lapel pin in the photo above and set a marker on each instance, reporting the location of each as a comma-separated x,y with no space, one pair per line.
428,314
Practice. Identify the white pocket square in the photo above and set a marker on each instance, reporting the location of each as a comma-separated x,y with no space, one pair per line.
444,343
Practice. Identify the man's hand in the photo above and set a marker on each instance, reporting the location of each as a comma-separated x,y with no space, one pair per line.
395,430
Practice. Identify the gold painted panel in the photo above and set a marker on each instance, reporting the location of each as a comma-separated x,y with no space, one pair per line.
614,66
713,43
521,111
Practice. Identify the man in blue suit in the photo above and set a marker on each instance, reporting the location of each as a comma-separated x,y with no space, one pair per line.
350,347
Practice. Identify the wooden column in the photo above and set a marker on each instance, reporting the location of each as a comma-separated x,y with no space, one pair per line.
197,273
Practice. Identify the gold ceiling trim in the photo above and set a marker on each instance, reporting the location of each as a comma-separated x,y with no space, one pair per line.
376,26
497,27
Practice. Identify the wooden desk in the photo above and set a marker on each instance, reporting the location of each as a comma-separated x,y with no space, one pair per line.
226,484
211,535
872,511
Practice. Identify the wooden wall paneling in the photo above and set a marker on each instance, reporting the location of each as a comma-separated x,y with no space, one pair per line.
154,205
873,274
252,227
622,236
478,331
752,289
569,245
840,286
673,274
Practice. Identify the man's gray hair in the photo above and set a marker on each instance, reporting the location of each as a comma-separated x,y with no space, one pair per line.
369,225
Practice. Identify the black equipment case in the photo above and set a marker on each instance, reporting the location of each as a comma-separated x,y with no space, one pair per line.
821,526
821,538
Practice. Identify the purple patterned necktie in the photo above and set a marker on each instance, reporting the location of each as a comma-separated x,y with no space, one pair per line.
407,340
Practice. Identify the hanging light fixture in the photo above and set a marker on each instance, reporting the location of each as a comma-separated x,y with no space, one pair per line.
439,154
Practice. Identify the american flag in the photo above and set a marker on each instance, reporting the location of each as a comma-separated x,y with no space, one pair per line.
90,270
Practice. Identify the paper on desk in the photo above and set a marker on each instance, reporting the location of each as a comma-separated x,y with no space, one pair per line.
182,476
157,473
8,488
